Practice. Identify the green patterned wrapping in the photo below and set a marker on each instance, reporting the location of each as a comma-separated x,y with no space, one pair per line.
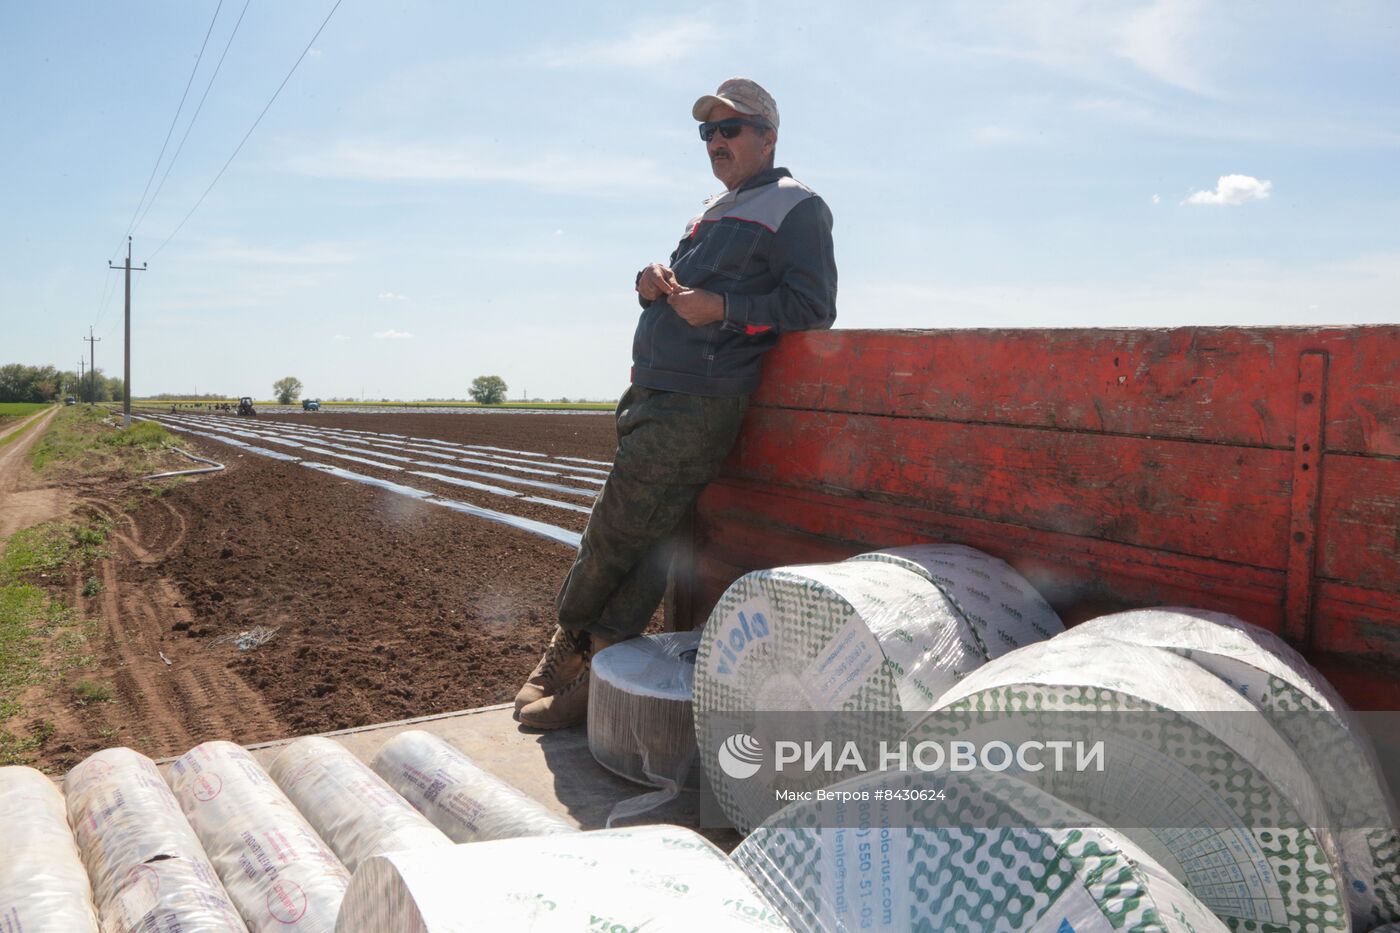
1298,701
1004,610
848,636
652,878
969,862
1211,790
1265,670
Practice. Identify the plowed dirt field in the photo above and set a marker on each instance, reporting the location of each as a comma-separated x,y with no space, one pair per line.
271,600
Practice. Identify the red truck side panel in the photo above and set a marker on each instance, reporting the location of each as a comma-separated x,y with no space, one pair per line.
1253,470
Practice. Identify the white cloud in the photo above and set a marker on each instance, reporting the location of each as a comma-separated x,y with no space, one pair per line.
1091,40
392,296
1233,189
1159,40
312,53
392,334
470,162
337,337
646,46
1156,199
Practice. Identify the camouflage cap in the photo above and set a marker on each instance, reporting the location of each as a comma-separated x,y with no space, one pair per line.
744,95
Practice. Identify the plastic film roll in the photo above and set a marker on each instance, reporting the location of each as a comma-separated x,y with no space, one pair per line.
1003,609
351,808
43,886
858,635
991,853
275,868
652,878
459,798
640,720
148,869
1311,715
1190,771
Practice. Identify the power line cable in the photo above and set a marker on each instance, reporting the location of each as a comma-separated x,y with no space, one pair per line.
180,148
175,119
250,129
107,291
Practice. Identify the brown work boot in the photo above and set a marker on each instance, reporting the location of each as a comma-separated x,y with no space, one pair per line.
561,663
567,706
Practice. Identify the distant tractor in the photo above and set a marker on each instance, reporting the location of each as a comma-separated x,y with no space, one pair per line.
310,404
245,407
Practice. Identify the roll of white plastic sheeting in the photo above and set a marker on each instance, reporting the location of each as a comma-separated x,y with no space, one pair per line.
276,869
1004,611
1265,670
652,878
148,869
1213,791
43,886
459,798
858,635
351,808
907,851
640,722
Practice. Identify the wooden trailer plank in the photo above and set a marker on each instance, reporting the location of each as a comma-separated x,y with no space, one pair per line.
1363,390
744,526
1360,622
1207,500
1359,538
1221,385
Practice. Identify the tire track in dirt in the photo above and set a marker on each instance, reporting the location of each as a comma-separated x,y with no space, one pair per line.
160,708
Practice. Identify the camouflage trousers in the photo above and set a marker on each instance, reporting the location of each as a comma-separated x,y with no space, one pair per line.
669,445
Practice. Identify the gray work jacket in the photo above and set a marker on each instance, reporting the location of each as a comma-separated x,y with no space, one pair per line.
766,247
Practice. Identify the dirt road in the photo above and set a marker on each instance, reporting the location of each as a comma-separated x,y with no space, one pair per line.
21,502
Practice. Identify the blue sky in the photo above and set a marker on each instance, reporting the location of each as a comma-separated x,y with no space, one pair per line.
444,189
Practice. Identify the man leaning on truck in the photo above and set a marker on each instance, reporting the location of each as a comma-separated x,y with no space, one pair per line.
756,263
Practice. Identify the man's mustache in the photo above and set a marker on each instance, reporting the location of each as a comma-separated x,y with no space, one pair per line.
719,154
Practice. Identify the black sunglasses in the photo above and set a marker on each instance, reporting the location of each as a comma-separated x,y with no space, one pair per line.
729,128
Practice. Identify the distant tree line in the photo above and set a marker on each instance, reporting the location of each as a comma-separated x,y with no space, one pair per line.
21,383
186,397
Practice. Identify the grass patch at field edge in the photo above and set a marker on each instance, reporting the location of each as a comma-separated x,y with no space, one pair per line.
41,637
78,442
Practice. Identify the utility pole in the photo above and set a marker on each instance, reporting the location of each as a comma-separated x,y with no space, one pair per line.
126,346
82,371
92,366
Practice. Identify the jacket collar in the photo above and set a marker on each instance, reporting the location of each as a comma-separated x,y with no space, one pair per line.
765,177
